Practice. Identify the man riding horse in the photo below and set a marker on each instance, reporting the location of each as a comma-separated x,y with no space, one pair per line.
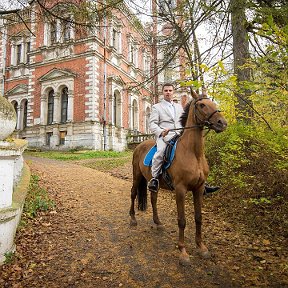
165,117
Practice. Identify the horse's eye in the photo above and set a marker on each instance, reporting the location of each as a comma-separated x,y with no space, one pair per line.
202,105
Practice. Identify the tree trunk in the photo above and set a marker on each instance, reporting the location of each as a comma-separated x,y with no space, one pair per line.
241,57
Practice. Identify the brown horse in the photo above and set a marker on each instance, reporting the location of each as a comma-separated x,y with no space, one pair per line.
189,169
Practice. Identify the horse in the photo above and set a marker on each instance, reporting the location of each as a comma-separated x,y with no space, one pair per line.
188,171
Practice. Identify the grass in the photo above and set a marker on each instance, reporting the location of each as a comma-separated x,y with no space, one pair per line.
9,258
37,200
79,155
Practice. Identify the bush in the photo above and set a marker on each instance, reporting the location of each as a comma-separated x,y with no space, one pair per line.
251,164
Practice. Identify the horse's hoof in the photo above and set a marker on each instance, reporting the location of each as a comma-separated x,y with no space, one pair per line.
184,260
205,254
160,227
133,223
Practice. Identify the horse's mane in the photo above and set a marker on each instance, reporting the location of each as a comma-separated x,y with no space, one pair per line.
184,116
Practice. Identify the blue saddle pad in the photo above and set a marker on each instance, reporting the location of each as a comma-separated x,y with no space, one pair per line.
149,156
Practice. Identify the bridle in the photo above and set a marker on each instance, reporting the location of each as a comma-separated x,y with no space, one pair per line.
203,122
200,123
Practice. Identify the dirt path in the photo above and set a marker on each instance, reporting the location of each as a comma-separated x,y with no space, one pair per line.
87,241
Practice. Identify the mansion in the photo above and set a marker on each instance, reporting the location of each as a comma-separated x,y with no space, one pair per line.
76,86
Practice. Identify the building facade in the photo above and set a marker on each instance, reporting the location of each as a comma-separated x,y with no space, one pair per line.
76,86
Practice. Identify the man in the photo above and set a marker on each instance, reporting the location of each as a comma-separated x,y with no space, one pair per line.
165,115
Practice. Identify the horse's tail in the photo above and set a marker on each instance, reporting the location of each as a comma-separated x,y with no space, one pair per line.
142,194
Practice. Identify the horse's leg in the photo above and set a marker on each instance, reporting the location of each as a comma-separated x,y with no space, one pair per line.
198,201
156,220
184,258
133,221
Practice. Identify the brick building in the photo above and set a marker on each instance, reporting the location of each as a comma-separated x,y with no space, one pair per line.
74,85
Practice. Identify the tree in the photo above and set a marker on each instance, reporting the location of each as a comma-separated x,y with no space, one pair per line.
241,58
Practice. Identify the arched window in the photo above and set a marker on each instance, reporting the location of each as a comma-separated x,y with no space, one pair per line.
117,109
50,107
25,108
15,105
64,105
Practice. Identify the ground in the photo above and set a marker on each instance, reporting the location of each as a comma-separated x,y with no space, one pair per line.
86,241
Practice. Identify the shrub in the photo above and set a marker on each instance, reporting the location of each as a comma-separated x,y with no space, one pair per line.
251,164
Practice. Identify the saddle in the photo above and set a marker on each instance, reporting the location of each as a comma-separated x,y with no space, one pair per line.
168,157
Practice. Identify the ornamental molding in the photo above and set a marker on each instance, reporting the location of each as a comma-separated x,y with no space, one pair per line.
18,89
56,74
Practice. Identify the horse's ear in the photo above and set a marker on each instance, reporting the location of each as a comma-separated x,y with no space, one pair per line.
194,94
204,93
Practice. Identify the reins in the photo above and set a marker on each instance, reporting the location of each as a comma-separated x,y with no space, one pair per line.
188,127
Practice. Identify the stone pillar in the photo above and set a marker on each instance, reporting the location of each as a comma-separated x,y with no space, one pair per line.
57,107
70,106
19,118
43,110
22,60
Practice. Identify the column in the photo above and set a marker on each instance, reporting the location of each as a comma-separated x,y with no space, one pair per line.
13,60
19,118
70,111
22,60
43,111
57,108
58,30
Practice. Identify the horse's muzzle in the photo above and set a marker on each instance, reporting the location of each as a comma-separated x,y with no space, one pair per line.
220,126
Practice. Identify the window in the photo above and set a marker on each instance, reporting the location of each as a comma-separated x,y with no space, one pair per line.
25,108
28,49
64,105
132,57
114,38
48,138
53,32
62,137
58,31
146,63
132,54
50,107
15,105
117,109
66,29
18,53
